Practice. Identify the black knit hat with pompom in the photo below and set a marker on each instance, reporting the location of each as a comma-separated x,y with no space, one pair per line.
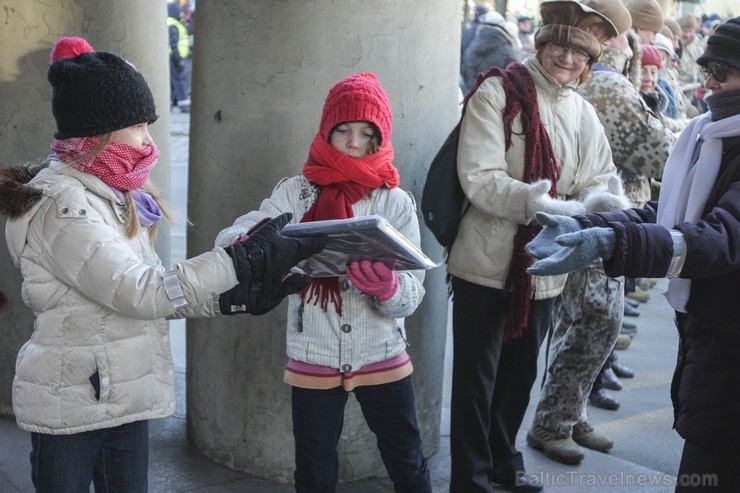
94,93
724,45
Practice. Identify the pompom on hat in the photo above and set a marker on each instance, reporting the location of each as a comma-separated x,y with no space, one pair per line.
94,93
651,56
646,14
574,24
357,98
724,45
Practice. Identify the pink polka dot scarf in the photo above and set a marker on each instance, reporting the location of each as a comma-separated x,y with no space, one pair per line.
121,166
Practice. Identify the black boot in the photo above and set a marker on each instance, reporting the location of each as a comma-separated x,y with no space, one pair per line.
600,398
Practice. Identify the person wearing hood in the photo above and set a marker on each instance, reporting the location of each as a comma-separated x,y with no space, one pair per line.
81,228
493,45
528,142
691,237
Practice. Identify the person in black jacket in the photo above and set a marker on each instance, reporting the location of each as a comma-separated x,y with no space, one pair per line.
691,235
493,45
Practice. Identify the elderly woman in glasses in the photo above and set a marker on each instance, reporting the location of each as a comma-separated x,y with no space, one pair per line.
528,143
690,236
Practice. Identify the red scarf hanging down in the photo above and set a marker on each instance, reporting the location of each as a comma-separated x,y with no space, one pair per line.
344,180
539,163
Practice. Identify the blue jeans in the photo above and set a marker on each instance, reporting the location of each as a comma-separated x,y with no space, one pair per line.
116,460
389,410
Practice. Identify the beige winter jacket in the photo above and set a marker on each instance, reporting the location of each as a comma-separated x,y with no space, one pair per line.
492,178
100,306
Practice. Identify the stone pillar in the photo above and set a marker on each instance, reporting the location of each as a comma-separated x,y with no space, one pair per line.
261,71
134,30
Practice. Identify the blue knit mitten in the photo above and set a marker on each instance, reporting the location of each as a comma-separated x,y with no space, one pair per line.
543,245
578,250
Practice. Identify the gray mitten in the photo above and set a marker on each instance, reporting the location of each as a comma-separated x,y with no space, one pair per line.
543,245
539,200
578,250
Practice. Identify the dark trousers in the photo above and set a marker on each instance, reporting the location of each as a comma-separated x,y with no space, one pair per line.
115,460
491,382
390,412
706,470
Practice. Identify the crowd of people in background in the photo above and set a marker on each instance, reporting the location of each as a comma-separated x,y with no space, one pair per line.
646,86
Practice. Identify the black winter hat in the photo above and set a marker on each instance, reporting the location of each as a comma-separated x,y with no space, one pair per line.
94,93
724,45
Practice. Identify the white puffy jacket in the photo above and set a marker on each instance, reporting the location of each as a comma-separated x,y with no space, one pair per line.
99,355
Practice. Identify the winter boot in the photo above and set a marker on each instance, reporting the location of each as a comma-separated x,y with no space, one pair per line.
563,450
585,435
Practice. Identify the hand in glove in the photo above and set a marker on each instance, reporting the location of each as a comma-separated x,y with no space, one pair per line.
267,254
543,245
373,279
260,297
578,250
539,200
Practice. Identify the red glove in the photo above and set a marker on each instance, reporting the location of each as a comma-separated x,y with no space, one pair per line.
373,279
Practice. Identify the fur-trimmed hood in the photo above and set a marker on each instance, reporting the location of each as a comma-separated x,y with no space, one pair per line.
16,196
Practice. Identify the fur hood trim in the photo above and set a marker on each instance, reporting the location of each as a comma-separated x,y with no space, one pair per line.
16,196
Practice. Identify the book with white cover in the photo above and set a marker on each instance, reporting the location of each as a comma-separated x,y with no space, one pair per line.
358,238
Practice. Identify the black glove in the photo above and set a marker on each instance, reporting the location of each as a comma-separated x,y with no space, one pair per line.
267,254
260,297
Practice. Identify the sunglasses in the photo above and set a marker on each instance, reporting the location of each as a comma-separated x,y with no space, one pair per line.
718,70
559,50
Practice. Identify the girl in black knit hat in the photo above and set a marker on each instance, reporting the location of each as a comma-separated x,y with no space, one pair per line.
98,366
690,236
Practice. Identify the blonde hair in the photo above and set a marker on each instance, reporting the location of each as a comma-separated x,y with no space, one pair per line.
132,225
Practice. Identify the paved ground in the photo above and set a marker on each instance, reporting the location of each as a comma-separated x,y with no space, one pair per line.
644,460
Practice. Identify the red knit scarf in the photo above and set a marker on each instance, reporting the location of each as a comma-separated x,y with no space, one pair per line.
344,180
539,163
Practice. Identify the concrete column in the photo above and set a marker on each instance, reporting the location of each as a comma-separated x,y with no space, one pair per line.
134,30
261,71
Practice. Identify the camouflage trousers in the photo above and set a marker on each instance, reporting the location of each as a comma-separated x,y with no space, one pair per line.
586,322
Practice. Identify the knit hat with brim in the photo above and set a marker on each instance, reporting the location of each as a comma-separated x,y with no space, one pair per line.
94,93
646,14
573,24
724,45
359,97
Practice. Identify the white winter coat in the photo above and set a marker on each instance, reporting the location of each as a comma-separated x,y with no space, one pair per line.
368,331
491,176
100,307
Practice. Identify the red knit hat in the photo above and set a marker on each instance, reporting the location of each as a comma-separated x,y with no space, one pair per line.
358,98
651,56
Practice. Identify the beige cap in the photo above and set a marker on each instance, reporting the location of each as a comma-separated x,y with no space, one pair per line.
688,21
673,26
614,10
646,14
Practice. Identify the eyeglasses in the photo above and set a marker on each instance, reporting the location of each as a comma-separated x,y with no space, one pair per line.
718,70
559,50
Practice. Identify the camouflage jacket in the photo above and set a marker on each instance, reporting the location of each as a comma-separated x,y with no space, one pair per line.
639,141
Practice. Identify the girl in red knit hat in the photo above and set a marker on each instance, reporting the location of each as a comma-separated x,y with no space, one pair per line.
346,333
